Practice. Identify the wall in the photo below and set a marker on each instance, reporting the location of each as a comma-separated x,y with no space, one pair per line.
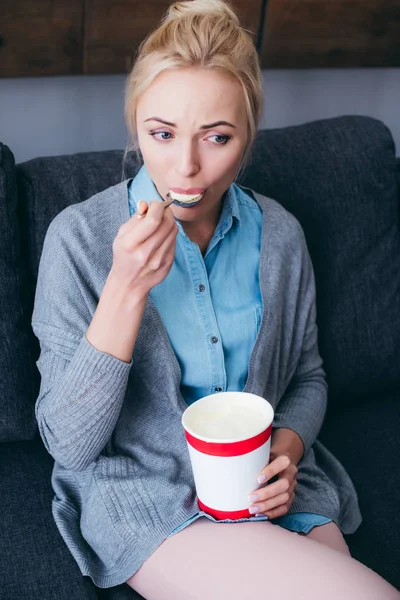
62,115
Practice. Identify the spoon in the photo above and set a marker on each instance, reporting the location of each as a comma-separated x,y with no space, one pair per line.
174,198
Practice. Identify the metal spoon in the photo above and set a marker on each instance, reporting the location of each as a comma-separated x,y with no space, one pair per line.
189,202
170,200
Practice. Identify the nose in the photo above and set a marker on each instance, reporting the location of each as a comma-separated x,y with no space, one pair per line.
187,160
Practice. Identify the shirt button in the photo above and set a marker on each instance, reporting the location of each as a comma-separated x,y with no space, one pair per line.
201,287
218,389
214,339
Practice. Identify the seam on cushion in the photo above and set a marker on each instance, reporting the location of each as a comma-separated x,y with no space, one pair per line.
25,261
30,221
16,275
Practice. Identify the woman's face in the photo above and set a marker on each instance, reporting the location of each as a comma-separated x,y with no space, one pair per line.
192,131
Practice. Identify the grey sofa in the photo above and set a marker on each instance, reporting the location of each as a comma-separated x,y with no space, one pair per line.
340,178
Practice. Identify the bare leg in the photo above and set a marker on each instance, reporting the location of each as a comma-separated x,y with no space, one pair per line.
331,536
216,561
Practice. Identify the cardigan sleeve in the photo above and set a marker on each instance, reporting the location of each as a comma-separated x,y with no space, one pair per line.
303,405
82,389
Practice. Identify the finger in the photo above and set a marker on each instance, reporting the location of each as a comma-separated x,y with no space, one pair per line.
276,466
155,218
163,255
149,234
142,229
271,490
149,253
288,505
280,511
142,209
268,492
272,503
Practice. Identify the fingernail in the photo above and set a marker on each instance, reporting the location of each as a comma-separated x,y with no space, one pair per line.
259,515
262,478
254,509
141,209
253,498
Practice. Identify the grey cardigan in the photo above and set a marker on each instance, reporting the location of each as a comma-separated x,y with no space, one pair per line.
122,476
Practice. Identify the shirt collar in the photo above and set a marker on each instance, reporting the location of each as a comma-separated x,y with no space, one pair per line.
141,188
230,211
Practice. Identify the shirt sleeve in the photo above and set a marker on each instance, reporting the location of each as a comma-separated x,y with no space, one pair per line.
82,389
303,405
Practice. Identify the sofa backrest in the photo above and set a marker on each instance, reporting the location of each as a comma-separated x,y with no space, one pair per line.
17,386
48,185
338,177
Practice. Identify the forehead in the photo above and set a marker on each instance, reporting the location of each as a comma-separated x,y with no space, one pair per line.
176,93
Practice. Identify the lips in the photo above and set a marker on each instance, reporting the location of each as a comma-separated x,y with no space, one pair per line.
185,200
188,191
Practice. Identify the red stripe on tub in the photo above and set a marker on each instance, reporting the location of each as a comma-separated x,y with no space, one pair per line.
229,448
220,515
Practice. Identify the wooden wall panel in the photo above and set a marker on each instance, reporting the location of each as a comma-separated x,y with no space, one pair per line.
249,12
40,37
331,33
115,28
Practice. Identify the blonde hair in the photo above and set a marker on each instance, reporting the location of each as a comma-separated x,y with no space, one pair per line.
201,33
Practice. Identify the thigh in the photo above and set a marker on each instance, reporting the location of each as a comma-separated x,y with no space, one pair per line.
216,561
330,535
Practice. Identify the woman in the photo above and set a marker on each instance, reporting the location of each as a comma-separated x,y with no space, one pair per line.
141,309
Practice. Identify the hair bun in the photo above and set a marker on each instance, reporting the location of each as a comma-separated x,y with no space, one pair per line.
177,10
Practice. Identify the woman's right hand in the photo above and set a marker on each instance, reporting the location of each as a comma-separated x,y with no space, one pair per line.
144,248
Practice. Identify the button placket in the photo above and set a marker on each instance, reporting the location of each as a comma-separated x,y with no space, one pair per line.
208,319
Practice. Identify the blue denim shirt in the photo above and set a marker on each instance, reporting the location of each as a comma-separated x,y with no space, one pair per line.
216,300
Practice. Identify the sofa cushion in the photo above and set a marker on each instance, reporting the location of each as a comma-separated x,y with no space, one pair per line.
17,389
34,561
338,177
365,439
119,592
48,185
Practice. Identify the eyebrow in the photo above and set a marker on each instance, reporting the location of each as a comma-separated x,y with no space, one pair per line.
210,126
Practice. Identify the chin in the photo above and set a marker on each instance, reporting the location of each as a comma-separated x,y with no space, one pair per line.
187,213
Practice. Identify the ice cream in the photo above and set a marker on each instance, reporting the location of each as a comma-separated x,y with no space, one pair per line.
235,422
184,199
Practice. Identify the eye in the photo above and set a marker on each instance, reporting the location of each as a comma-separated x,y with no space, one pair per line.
220,139
161,135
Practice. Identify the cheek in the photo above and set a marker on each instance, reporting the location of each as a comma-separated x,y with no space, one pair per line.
144,140
155,160
228,165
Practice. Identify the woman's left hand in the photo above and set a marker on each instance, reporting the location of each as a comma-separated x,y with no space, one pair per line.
275,499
